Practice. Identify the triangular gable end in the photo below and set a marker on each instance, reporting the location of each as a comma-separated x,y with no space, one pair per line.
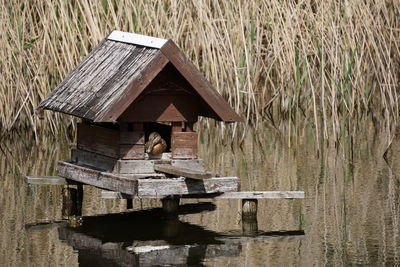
199,83
197,80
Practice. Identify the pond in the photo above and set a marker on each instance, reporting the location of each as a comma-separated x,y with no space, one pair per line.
350,215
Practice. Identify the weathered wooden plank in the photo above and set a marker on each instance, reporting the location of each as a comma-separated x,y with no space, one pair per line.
97,178
134,166
98,139
45,180
132,138
181,172
132,151
162,108
226,195
199,82
193,164
256,195
122,166
184,145
83,157
165,187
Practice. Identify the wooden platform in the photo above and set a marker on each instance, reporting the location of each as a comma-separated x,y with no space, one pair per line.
226,195
142,186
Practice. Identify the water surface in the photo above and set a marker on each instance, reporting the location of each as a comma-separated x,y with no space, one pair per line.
350,215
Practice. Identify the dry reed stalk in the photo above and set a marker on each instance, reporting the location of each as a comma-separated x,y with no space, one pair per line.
286,61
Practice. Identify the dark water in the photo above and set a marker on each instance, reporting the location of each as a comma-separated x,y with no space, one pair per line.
350,216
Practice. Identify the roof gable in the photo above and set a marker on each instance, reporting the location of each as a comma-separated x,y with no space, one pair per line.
117,71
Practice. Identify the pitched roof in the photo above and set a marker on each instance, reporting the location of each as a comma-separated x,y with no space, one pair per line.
117,71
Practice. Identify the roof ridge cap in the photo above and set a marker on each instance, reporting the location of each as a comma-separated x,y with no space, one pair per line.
136,39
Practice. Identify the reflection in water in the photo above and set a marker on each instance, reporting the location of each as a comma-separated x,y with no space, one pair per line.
147,238
350,215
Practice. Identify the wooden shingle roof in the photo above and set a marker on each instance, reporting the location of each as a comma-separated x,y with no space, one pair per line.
117,71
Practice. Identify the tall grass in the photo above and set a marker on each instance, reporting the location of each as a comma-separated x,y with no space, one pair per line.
290,62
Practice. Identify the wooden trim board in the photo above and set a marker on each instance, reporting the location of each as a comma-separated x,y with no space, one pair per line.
136,39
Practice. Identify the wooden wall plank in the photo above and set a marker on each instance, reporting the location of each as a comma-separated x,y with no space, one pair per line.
184,145
99,161
132,151
132,138
98,140
161,108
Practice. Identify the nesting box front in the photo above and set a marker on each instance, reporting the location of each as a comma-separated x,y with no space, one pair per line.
131,85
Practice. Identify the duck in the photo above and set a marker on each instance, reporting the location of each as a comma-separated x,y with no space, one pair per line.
156,145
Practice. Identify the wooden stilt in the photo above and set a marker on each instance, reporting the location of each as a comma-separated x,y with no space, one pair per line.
249,216
249,209
72,205
67,204
250,227
170,206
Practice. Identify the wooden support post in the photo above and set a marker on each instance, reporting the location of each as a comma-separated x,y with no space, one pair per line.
72,204
249,209
170,206
250,227
67,205
249,216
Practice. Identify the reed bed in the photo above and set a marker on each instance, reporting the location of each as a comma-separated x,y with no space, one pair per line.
325,63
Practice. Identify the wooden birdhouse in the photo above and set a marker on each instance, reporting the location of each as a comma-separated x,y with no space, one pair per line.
138,98
129,86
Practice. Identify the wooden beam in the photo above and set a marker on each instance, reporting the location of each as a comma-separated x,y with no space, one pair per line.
181,172
97,178
263,194
45,180
227,195
166,187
